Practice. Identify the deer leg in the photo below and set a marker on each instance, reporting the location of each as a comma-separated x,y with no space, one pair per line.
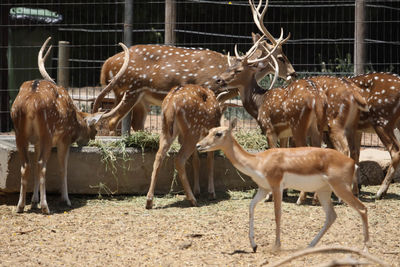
210,172
389,140
62,156
139,114
352,139
277,195
165,144
338,138
330,214
196,169
187,148
124,106
45,154
22,146
261,193
344,192
35,167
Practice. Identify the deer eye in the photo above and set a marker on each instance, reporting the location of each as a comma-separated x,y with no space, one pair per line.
281,59
218,134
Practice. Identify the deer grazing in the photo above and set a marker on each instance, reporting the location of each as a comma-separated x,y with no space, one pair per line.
382,92
305,168
187,112
154,69
45,115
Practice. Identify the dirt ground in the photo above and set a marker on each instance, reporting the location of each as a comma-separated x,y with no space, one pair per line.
119,231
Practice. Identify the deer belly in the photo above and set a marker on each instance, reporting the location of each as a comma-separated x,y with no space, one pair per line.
308,183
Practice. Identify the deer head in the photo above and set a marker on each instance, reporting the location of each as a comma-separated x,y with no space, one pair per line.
87,120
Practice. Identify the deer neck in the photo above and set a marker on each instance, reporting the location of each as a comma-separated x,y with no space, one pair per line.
241,159
252,95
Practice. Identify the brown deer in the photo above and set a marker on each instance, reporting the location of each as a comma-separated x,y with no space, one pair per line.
154,69
305,168
45,115
296,110
188,112
343,106
382,92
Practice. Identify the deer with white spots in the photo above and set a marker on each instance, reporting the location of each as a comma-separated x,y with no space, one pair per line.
344,103
44,115
154,69
382,92
305,168
297,110
188,112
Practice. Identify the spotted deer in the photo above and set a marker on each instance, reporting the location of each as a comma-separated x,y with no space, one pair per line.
296,110
382,92
44,115
154,69
188,112
305,168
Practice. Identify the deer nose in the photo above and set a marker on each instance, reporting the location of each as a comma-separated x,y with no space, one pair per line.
198,146
292,75
219,81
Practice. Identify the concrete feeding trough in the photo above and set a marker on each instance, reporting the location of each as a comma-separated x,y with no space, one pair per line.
87,173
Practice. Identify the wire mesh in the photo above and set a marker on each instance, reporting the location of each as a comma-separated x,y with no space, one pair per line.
322,38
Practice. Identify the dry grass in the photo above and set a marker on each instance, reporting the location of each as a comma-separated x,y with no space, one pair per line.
119,231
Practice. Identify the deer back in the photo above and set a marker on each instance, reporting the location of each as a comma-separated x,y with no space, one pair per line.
192,108
44,110
382,92
159,68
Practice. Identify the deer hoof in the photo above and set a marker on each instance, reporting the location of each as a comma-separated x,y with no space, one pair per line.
212,196
19,209
45,210
34,205
194,202
255,249
149,204
381,193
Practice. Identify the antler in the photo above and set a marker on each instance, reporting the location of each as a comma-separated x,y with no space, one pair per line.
249,53
41,61
259,21
108,88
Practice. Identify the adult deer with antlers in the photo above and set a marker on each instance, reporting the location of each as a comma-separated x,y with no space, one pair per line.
296,110
45,115
305,168
154,69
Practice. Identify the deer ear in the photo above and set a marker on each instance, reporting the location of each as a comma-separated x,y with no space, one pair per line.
232,124
92,119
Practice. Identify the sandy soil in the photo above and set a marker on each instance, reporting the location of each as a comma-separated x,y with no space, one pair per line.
120,231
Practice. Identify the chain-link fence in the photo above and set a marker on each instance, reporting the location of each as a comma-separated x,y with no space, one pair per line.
323,36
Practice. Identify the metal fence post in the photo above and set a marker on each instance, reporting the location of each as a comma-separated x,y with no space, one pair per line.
63,64
359,37
170,22
126,121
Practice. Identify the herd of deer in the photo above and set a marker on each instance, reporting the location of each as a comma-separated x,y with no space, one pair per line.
201,81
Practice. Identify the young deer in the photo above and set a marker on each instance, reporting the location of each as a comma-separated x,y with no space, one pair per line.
343,106
154,69
305,168
382,92
187,112
45,115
